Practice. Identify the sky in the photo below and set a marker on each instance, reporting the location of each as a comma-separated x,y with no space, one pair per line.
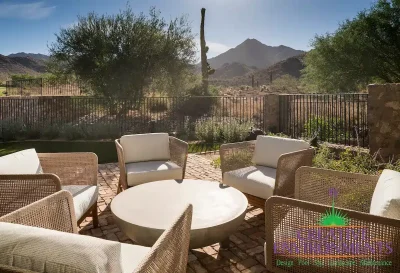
30,26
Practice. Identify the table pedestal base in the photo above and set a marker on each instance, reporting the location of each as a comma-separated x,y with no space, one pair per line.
225,243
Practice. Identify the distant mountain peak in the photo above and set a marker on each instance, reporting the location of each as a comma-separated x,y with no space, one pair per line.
252,52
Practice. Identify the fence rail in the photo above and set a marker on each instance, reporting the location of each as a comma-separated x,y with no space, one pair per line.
44,87
337,118
93,117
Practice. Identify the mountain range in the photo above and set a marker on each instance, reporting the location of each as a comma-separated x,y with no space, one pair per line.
248,58
254,53
20,65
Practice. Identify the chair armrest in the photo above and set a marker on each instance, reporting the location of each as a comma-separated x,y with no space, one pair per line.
55,212
71,168
121,163
19,190
286,168
236,155
179,152
290,221
354,190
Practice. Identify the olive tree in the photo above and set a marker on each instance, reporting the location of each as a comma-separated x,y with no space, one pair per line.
119,55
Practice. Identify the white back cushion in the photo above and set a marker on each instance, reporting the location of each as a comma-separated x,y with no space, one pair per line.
386,198
268,149
145,147
22,162
44,250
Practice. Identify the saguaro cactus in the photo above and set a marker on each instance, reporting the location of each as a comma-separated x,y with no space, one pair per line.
206,70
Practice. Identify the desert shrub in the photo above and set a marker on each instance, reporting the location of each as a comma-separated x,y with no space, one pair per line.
286,82
101,131
235,130
11,129
231,130
51,131
73,132
327,129
32,132
207,130
347,161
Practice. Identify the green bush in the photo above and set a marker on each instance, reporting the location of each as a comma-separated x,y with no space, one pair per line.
327,129
100,131
11,129
51,131
231,130
32,132
73,132
347,161
235,130
207,131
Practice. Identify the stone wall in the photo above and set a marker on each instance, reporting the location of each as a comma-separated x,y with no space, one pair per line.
384,119
271,113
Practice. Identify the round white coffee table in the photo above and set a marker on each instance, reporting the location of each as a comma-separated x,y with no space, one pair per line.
143,212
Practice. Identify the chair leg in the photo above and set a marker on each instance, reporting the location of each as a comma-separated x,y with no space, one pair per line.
95,216
119,188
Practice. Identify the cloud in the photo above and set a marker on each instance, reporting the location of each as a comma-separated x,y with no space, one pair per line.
35,10
214,49
217,48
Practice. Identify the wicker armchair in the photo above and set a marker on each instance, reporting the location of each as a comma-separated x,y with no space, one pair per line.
74,172
178,151
240,156
286,218
169,254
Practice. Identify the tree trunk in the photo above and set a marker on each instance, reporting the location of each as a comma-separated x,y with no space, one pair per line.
204,67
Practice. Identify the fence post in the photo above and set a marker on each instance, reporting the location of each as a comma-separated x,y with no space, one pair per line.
41,86
271,113
384,119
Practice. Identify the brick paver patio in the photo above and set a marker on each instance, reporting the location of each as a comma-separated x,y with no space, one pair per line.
245,253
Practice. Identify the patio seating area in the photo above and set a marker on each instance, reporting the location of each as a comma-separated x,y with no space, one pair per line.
292,210
245,252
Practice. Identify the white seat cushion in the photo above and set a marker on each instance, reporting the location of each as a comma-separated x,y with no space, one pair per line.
132,256
268,149
255,180
386,198
145,147
142,172
22,162
44,250
84,197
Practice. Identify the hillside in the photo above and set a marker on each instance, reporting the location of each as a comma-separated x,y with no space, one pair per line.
231,70
20,65
35,56
291,66
254,53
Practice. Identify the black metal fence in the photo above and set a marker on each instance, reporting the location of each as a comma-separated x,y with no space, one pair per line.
44,87
100,118
337,118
